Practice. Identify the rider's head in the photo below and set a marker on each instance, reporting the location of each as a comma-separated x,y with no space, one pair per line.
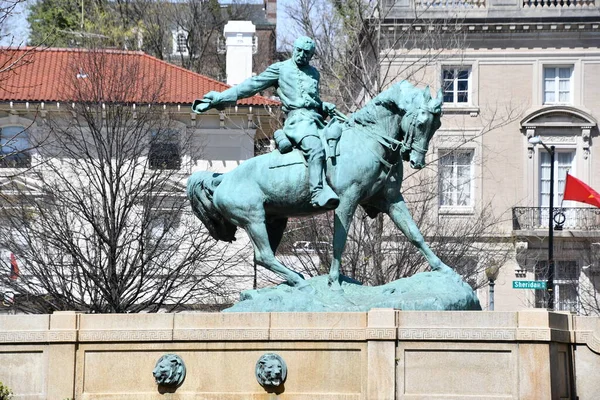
304,49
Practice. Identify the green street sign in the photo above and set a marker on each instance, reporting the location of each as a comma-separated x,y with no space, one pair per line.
536,285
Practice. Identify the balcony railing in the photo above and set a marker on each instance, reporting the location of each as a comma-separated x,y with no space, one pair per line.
558,3
454,4
527,4
580,218
502,9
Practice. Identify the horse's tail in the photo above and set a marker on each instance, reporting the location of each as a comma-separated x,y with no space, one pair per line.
200,189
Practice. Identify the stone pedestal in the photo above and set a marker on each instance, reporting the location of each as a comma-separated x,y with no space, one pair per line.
380,354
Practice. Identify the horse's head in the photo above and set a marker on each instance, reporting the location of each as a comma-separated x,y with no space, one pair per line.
420,122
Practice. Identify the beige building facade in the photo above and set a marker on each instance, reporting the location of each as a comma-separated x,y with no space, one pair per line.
514,70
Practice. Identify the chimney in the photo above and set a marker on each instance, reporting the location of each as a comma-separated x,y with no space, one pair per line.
271,9
239,41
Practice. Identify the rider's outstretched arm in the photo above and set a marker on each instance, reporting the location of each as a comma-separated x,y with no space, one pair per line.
247,88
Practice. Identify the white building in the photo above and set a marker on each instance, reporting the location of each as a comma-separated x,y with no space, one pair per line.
59,113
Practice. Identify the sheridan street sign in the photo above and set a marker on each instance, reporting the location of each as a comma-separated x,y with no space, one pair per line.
537,285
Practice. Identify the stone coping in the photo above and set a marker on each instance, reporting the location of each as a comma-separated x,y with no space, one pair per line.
377,324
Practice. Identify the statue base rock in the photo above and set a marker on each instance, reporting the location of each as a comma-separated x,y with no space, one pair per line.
436,290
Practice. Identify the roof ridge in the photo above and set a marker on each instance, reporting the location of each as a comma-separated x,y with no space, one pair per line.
71,50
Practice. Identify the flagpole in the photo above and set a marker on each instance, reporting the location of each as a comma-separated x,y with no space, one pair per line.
550,282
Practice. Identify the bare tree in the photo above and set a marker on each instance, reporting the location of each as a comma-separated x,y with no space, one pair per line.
102,225
10,60
358,56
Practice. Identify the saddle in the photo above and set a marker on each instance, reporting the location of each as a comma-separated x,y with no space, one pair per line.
285,154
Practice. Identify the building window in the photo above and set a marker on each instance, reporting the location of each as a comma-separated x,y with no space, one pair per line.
456,178
563,163
15,146
164,150
180,42
456,84
566,285
558,85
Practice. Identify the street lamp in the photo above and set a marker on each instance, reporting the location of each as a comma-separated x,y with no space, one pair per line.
492,274
550,284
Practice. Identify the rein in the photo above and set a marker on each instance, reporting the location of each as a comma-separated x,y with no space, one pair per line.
387,142
392,144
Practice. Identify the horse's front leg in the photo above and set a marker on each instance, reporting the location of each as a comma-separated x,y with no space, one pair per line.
343,218
399,213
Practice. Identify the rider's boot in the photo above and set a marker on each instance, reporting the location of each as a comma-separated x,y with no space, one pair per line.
322,196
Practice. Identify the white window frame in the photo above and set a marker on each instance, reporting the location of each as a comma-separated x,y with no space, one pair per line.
456,69
544,217
557,80
454,206
557,177
176,47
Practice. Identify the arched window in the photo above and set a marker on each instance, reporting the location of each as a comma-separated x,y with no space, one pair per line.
14,147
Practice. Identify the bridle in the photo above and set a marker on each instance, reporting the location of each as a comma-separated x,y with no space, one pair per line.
408,144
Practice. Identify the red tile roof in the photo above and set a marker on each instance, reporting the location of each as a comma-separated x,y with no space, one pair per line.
72,75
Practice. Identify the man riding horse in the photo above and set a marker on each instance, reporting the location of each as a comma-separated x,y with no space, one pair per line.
297,85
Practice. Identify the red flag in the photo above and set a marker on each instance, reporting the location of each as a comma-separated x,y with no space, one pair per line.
14,268
578,191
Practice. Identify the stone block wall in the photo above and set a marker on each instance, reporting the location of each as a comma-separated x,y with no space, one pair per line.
383,354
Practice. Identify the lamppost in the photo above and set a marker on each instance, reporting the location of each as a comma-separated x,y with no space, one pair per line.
550,284
492,274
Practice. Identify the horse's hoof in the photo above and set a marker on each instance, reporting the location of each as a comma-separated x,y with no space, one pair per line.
334,285
305,288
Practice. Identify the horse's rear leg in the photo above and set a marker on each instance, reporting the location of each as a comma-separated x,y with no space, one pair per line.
265,257
399,213
275,229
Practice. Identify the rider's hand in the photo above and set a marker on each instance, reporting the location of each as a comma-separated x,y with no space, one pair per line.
328,108
210,100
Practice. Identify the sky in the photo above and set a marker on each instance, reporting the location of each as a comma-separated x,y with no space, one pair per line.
16,29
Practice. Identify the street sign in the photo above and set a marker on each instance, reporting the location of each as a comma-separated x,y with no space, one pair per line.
536,285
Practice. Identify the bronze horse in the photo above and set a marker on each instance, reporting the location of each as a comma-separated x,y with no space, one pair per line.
394,126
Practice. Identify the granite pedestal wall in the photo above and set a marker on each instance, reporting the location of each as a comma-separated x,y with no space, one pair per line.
382,354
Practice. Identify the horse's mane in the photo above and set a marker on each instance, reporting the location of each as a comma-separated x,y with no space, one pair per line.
399,98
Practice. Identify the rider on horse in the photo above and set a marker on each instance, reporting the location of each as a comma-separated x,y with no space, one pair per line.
297,85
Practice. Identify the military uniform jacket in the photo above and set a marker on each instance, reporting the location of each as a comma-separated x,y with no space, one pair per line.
297,87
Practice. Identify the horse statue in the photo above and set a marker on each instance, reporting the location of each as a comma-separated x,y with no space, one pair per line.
367,170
